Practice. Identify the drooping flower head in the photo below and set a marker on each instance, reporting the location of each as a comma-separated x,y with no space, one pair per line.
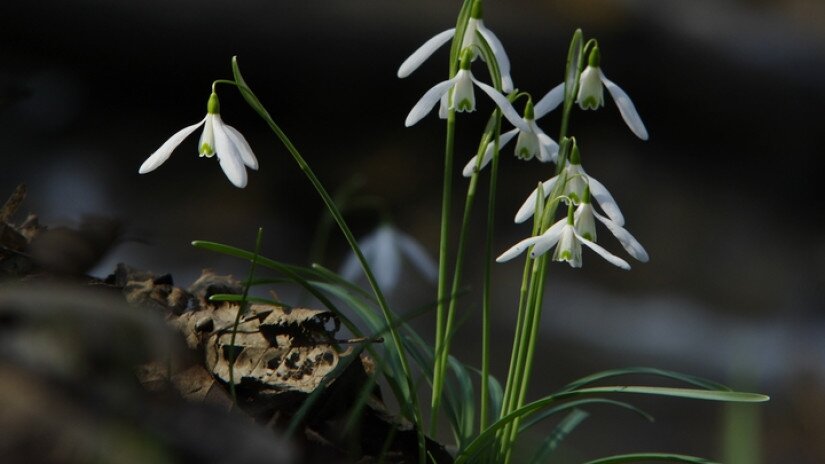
475,27
529,144
591,94
584,222
458,94
384,249
568,242
217,138
576,181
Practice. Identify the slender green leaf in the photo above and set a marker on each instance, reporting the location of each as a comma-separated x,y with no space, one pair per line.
689,379
465,403
542,415
562,430
574,58
643,457
709,395
334,278
485,438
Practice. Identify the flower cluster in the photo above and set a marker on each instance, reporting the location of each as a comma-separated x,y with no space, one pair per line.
578,188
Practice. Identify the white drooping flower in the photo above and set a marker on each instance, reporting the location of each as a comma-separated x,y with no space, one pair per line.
458,94
591,95
529,144
576,182
217,138
585,225
470,40
384,249
568,243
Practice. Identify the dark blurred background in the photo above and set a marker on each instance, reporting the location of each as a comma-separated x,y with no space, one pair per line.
723,196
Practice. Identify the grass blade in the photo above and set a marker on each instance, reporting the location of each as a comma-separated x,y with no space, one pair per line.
642,457
562,430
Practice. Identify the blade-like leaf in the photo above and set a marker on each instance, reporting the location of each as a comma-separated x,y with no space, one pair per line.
562,430
709,395
540,416
689,379
571,77
642,457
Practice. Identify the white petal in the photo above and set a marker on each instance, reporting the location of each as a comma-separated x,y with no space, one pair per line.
501,57
529,207
425,105
444,106
419,56
386,263
418,256
242,146
628,241
470,167
464,98
610,257
549,148
506,108
626,108
228,156
162,154
591,92
517,249
549,238
605,200
550,101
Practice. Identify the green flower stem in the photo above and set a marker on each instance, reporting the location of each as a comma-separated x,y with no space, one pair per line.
409,405
443,255
486,296
443,351
524,350
443,248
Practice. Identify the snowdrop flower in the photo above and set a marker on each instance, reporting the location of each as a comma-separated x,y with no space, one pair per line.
585,225
459,94
591,95
217,139
470,40
576,182
529,144
568,243
383,250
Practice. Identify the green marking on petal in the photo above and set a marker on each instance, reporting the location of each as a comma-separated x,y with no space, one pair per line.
588,236
590,103
524,154
206,150
566,255
465,105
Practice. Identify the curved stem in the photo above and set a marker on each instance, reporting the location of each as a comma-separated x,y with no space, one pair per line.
409,404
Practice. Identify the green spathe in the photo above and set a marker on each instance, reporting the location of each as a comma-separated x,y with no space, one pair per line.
595,57
213,106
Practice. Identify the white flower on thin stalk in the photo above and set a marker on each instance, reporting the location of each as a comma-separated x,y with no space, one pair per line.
384,249
583,221
568,242
470,40
576,182
460,95
217,138
591,95
529,144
